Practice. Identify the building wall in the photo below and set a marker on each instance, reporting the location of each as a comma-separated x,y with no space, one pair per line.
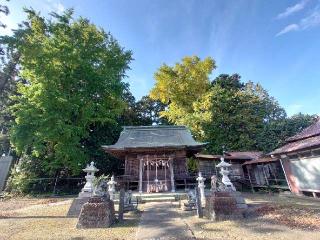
179,163
207,167
303,174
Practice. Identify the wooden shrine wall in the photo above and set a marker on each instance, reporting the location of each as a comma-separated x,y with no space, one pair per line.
179,163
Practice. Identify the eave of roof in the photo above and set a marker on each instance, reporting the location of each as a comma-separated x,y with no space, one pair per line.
110,148
311,131
261,160
231,156
297,146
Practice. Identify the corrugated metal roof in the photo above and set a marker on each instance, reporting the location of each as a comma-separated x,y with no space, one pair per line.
261,160
232,155
307,138
154,137
245,155
298,145
310,131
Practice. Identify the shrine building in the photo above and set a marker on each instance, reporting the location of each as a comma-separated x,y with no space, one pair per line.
155,157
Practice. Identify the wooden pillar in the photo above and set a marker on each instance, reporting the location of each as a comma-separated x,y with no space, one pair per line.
285,174
172,176
252,189
140,174
264,174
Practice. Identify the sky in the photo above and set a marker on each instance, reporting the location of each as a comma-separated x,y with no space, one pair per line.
271,42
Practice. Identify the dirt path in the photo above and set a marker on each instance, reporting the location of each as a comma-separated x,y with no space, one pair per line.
161,221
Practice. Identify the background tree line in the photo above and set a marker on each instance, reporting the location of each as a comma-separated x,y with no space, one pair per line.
63,95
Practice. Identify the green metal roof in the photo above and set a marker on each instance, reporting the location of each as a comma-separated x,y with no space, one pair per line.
154,137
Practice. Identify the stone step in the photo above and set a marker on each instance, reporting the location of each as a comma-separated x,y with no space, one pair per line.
158,199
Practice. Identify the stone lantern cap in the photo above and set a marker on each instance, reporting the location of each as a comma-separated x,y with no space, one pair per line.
91,168
223,163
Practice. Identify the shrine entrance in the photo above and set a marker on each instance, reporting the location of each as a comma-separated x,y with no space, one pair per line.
157,174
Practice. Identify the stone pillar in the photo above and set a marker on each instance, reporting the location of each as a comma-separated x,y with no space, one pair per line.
140,175
172,176
121,205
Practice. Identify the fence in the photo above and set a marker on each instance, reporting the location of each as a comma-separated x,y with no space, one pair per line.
54,186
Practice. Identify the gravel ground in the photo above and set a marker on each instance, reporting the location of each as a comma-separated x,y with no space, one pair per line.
46,219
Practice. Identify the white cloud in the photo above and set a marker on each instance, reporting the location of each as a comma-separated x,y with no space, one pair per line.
294,109
293,9
53,6
311,21
10,24
289,28
58,7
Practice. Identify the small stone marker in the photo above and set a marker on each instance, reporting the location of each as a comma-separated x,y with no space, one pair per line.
121,205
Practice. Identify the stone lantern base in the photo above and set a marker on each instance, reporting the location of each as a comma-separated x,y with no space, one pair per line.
98,212
225,206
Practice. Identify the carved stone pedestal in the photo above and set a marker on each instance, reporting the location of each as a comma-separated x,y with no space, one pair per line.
224,206
98,212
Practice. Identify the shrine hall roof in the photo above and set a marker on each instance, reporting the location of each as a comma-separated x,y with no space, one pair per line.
154,137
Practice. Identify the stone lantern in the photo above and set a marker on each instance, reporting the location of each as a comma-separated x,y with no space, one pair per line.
111,187
201,186
224,170
87,190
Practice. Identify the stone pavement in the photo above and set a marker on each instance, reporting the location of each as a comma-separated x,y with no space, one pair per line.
161,221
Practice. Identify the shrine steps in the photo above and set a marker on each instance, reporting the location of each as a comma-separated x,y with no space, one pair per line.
159,197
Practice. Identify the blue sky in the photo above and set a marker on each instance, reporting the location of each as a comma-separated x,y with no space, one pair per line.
273,42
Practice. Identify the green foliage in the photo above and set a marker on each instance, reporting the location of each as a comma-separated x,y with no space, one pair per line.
73,73
100,179
22,175
8,88
239,114
226,112
192,165
149,111
276,132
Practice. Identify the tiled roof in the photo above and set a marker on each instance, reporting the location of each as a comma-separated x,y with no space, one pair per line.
153,137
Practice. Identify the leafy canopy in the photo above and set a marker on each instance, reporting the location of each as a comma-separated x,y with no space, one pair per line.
74,75
239,113
184,88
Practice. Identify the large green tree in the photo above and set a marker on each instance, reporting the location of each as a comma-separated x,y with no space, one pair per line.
239,113
149,111
73,72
